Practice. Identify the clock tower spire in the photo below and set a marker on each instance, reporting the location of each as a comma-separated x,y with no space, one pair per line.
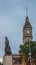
26,11
27,29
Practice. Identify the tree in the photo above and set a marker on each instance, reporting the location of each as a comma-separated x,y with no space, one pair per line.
24,49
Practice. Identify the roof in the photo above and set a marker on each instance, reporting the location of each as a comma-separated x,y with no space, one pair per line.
16,55
27,23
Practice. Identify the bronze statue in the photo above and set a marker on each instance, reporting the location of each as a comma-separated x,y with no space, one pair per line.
7,47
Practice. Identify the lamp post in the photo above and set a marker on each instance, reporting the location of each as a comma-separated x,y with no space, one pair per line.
29,54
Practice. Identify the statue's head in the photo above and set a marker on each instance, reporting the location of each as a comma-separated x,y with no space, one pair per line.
6,38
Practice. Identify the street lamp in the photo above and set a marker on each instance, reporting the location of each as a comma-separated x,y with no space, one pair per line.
29,54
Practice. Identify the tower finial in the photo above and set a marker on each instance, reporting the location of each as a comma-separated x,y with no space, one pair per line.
26,10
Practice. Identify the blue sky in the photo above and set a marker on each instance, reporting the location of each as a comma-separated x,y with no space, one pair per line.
12,19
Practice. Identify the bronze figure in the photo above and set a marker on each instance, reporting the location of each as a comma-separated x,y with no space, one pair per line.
7,47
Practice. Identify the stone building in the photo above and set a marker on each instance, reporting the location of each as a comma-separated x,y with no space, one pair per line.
27,35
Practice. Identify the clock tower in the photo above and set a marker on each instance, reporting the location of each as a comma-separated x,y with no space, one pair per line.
27,30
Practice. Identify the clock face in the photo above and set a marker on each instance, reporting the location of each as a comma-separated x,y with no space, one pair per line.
28,31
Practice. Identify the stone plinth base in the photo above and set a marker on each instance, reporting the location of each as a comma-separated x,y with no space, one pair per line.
7,60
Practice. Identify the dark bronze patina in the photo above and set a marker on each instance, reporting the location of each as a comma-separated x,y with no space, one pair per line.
7,47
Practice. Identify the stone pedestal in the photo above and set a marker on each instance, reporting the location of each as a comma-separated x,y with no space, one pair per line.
7,60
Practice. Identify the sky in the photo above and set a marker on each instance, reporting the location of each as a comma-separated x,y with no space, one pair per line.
12,19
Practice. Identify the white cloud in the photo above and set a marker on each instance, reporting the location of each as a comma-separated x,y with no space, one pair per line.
1,59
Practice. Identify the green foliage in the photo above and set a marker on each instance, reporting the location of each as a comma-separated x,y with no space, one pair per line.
24,49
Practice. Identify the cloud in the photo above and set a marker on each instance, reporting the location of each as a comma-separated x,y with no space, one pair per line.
1,59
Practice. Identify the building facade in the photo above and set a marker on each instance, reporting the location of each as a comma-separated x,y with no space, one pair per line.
27,35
